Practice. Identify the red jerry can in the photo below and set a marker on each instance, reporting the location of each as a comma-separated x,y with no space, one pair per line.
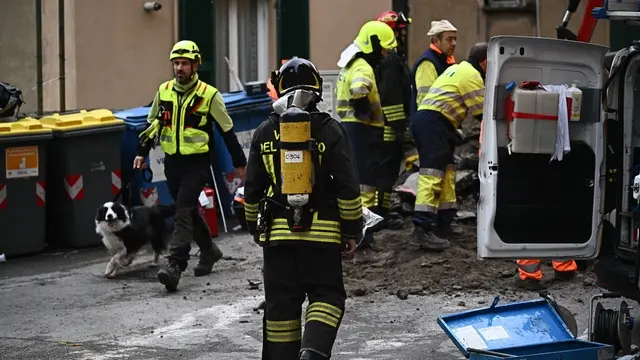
209,212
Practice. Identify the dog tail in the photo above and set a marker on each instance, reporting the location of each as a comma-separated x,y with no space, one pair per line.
167,210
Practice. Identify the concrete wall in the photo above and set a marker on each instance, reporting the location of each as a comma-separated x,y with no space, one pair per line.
18,48
335,23
116,54
474,25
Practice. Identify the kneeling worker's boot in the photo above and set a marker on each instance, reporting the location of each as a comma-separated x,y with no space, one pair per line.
170,276
307,354
428,241
208,257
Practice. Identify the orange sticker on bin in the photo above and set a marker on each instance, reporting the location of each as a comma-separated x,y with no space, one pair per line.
21,162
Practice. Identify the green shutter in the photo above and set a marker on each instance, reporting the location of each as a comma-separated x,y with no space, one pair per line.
197,23
293,29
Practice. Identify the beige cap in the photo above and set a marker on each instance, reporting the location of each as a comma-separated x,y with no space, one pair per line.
441,26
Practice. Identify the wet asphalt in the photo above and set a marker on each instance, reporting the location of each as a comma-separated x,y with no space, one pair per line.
59,306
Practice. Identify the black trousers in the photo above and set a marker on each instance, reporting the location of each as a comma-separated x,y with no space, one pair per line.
390,160
293,272
186,177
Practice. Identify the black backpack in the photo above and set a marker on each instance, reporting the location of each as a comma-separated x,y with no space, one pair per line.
10,100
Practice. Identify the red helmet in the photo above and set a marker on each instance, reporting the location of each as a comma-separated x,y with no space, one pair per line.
393,19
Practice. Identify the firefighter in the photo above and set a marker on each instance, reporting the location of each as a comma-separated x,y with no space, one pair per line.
182,117
358,105
530,273
394,84
459,90
303,206
435,60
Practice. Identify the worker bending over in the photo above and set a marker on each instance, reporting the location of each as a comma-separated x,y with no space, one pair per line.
460,89
394,84
182,116
530,273
302,181
358,106
433,61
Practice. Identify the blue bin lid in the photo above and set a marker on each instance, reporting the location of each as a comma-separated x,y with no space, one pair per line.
237,100
511,325
134,118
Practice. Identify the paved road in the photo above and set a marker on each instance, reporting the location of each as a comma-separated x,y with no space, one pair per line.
58,306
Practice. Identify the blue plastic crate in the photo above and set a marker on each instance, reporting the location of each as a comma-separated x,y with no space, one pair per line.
530,330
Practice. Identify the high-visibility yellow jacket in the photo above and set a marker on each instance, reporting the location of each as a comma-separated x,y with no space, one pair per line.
357,81
458,90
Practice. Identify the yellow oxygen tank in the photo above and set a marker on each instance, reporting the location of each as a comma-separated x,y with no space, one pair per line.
296,162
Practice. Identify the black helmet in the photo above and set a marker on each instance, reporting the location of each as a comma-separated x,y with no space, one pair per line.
295,74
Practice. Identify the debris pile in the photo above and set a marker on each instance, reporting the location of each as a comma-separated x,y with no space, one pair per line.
401,269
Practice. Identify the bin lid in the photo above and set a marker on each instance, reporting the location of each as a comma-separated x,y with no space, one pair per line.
26,126
80,120
505,326
134,118
239,99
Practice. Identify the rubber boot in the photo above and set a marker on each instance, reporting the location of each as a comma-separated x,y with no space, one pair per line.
428,241
529,284
564,275
307,354
210,253
170,276
208,257
448,232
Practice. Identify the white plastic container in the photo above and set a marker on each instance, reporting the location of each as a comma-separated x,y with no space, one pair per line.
529,133
574,102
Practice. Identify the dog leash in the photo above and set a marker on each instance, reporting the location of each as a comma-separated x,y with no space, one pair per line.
147,176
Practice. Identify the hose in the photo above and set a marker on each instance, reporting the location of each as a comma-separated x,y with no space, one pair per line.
606,328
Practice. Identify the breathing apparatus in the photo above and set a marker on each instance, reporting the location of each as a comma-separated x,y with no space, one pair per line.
297,152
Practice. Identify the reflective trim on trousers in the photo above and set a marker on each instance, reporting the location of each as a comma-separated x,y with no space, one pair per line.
432,172
425,208
529,269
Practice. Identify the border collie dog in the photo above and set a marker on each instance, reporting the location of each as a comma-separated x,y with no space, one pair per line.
126,230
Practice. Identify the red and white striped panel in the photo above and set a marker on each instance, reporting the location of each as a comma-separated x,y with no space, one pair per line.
116,181
3,196
41,194
74,186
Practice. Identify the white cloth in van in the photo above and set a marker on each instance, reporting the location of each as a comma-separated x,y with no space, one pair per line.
563,140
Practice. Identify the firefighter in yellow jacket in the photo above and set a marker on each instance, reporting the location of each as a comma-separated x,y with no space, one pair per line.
183,116
359,107
302,199
459,90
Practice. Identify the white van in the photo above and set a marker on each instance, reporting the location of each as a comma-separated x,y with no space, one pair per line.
577,208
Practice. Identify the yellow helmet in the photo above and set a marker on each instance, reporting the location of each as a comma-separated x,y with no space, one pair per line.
382,31
186,49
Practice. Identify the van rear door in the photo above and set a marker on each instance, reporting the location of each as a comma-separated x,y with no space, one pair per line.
531,207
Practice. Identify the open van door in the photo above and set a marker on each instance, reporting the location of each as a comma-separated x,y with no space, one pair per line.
530,206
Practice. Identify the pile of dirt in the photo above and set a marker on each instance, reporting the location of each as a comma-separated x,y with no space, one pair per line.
400,267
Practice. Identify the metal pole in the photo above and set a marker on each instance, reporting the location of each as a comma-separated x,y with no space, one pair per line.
39,70
215,185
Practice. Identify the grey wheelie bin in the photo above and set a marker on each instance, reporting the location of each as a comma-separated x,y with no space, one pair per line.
84,173
22,187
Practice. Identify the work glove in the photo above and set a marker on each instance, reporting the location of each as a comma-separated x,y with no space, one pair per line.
150,133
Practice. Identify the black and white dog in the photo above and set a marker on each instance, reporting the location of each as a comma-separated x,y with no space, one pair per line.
126,230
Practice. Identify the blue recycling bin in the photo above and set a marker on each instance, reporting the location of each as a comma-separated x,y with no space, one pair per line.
528,330
142,191
247,113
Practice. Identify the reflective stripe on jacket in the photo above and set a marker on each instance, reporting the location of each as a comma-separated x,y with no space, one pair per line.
185,121
430,64
357,80
458,90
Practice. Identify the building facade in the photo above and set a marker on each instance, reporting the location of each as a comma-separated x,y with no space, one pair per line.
74,54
